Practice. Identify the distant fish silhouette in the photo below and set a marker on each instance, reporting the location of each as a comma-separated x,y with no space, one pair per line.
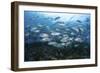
78,39
33,28
60,22
27,34
57,18
75,29
46,39
37,31
55,33
87,20
79,21
40,25
52,43
45,35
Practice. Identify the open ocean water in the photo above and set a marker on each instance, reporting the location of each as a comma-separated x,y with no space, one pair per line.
56,35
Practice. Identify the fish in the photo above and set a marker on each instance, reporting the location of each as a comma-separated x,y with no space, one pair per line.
55,33
44,35
78,40
60,22
76,45
37,31
68,43
40,25
63,44
75,29
87,20
65,39
72,33
57,18
33,29
52,43
27,34
46,39
79,21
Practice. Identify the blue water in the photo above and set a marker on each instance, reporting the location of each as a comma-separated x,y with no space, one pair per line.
37,23
57,29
